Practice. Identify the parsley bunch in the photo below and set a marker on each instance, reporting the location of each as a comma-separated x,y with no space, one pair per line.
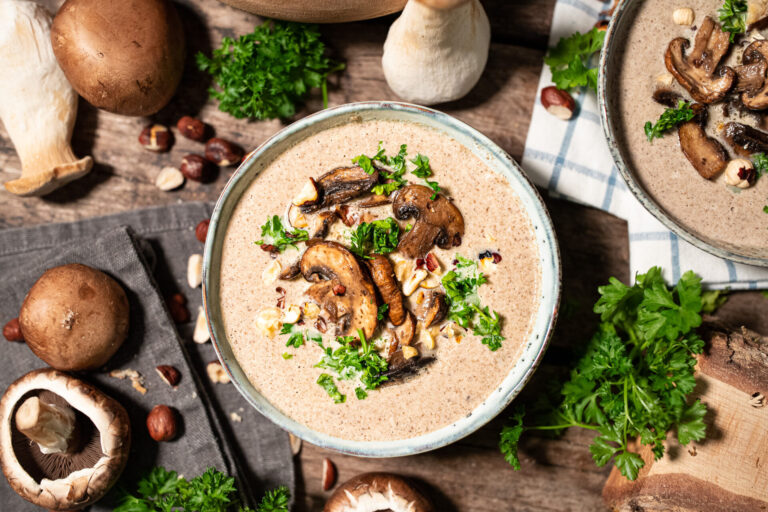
670,118
569,60
274,234
634,378
264,75
213,491
733,17
461,292
352,362
379,236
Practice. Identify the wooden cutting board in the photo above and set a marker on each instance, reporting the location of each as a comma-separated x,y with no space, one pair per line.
319,11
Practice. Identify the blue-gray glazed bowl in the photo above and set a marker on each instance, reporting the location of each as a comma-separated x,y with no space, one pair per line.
499,162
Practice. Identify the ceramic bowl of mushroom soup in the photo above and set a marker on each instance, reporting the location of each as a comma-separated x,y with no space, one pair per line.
682,102
380,279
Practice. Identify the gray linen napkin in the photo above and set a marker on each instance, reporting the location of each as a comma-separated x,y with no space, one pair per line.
253,449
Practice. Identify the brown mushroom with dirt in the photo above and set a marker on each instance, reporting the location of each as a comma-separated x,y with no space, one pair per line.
123,56
384,278
699,72
342,288
705,153
372,492
339,186
63,443
436,221
75,317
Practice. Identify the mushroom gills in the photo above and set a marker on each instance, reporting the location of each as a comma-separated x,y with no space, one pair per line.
377,492
698,73
437,222
339,186
705,153
744,139
384,278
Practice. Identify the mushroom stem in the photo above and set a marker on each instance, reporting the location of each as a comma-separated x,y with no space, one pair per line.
50,426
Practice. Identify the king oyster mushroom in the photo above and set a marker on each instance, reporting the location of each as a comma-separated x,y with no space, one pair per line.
384,277
339,186
63,443
341,287
698,72
437,222
372,492
74,317
705,153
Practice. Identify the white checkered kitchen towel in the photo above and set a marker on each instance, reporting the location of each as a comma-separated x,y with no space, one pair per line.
572,160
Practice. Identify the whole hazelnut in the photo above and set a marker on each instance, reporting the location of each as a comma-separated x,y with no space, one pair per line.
156,138
201,231
740,173
177,306
558,103
12,331
191,128
162,423
196,168
222,152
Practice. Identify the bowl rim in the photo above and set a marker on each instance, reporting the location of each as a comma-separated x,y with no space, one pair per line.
534,347
610,129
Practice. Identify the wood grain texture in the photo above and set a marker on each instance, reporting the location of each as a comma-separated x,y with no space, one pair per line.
557,474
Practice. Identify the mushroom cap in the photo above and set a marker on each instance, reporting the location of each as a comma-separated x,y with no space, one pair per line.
755,58
705,153
438,222
329,264
339,186
123,56
74,317
373,492
84,486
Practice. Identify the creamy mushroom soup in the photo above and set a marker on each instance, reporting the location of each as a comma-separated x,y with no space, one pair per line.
724,201
381,299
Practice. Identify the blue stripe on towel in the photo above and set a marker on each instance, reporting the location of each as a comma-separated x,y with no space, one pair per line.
564,146
675,250
609,189
731,270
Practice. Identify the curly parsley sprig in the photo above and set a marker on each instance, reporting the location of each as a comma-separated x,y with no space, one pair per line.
266,74
733,17
275,237
634,378
570,60
356,358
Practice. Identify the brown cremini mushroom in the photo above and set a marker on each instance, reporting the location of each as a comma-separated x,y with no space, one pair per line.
123,56
371,492
74,317
744,139
330,265
705,153
698,72
384,278
406,331
751,76
63,443
435,309
437,222
339,186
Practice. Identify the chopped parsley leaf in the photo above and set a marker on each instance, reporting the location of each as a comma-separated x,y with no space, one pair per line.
733,17
423,169
286,355
670,118
461,291
379,236
569,60
761,163
326,382
765,209
352,362
274,234
297,336
360,393
382,311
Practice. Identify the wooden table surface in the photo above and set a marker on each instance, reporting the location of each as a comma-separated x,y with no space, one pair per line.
469,475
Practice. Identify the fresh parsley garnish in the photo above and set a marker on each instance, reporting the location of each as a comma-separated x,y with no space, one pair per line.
266,74
760,162
297,336
461,292
326,382
286,355
670,118
569,60
382,312
634,378
733,17
424,170
394,175
356,358
274,234
161,490
379,236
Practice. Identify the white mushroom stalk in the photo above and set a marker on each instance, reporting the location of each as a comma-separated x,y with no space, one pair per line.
49,425
37,104
436,50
